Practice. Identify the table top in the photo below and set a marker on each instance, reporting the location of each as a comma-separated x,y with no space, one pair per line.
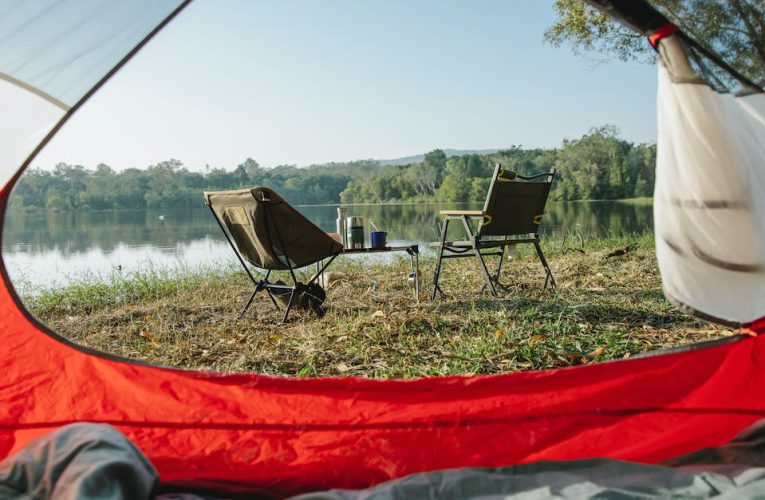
401,248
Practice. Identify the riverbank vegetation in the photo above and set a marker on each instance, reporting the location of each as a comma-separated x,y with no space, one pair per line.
609,305
599,165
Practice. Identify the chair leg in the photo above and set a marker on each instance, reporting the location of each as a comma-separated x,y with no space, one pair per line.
485,270
320,312
499,264
439,259
273,300
548,273
289,305
247,305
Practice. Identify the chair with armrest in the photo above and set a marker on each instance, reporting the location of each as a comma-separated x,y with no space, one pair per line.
268,233
512,213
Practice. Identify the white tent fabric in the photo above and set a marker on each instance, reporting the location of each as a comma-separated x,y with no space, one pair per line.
709,201
52,52
24,121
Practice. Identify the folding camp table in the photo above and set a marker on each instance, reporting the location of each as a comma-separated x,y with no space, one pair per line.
412,250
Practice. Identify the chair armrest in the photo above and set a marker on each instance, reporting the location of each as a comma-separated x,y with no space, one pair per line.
466,213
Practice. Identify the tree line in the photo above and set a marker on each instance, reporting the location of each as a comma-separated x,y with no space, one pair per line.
599,165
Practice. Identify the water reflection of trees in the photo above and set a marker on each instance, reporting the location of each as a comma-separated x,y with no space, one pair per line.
592,219
76,232
419,222
72,233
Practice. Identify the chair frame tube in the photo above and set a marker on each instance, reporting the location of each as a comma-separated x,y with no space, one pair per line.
478,246
263,284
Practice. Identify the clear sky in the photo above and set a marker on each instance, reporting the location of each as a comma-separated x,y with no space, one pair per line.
301,82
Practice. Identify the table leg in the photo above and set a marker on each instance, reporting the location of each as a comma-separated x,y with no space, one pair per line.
417,275
416,270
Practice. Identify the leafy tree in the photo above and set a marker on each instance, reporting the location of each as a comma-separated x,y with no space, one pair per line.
478,188
732,28
453,189
589,162
641,187
252,168
55,200
430,173
99,190
71,180
130,188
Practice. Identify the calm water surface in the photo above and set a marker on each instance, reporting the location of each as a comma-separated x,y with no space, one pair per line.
52,249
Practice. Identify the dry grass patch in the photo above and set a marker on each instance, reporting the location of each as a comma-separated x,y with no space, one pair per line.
606,307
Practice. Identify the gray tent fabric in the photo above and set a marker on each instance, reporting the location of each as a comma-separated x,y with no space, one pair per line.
78,461
736,470
745,451
595,478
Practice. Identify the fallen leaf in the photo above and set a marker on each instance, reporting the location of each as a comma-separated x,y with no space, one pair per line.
597,352
618,252
574,357
146,335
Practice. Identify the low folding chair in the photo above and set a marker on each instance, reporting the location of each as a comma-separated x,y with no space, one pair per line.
268,233
512,213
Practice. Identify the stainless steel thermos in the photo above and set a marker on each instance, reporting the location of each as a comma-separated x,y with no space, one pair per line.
342,227
356,232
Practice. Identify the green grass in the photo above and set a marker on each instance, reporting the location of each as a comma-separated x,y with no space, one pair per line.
605,308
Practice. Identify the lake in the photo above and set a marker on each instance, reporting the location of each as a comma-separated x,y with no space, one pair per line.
52,249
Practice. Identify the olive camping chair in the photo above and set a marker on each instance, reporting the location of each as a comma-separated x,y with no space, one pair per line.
268,233
511,215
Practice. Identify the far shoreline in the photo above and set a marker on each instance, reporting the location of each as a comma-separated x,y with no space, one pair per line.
645,200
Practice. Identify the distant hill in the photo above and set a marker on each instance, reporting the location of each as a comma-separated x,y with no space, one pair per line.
406,160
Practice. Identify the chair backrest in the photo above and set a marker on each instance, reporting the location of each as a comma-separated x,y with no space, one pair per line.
515,204
268,232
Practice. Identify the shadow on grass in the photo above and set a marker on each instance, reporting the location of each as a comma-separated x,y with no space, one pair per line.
639,313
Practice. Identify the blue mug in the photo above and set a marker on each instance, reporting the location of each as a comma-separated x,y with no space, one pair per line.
378,239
